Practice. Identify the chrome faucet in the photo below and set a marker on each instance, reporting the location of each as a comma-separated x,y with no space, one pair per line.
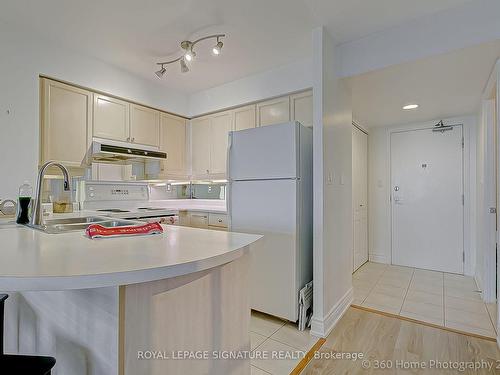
37,215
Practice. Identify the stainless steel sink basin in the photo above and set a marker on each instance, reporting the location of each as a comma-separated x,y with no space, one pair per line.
56,226
76,220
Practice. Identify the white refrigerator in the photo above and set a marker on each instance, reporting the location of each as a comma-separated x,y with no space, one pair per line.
270,193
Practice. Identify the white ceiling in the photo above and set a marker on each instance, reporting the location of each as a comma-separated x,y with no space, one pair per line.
347,20
445,85
262,34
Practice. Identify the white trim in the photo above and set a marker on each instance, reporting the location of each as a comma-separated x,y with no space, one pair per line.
323,327
487,247
379,258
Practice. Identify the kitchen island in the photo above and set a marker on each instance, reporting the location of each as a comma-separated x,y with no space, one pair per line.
163,304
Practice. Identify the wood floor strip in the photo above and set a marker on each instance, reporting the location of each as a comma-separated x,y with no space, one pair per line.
423,323
307,358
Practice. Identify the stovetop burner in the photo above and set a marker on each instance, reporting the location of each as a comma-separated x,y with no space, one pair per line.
114,210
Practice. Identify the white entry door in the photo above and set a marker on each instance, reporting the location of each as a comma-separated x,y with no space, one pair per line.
427,199
360,197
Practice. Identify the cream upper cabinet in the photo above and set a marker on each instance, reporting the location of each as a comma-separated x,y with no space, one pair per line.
111,119
65,122
173,143
275,111
144,125
301,106
244,117
200,146
220,126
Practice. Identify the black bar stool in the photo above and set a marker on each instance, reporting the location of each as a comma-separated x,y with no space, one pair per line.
21,364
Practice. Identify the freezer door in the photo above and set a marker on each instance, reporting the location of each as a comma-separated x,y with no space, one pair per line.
269,208
269,152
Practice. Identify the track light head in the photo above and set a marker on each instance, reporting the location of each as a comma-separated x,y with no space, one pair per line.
187,46
217,48
184,66
160,73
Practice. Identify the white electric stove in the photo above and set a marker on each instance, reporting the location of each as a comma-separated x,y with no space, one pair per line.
125,200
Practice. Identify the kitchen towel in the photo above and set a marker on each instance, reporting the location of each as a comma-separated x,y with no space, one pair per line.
98,231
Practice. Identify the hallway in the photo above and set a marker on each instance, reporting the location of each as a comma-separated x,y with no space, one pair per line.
438,298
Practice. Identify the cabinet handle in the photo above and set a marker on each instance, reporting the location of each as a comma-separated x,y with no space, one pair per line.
208,171
128,139
220,220
133,139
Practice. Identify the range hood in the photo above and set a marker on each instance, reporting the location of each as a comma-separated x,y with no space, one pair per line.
112,152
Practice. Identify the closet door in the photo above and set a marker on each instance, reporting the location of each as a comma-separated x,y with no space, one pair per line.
360,197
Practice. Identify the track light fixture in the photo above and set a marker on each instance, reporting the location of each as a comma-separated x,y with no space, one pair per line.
189,54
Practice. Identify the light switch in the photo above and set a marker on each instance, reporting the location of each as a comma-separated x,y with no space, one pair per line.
329,179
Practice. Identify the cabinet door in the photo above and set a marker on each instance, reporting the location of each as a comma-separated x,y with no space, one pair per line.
144,125
173,142
198,219
275,111
200,146
244,117
66,116
220,125
302,108
111,118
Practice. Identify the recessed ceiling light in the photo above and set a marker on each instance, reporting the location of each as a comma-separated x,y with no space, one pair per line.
411,106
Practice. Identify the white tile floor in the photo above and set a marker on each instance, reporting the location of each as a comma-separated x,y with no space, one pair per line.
269,334
435,297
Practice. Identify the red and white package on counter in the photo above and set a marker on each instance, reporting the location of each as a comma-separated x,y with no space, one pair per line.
98,231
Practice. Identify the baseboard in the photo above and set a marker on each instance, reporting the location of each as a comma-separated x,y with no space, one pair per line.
379,258
323,327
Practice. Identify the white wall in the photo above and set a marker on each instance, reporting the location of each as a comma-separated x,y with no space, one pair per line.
379,189
271,83
23,58
332,134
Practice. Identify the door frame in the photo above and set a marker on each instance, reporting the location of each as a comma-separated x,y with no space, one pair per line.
361,129
489,257
492,88
468,124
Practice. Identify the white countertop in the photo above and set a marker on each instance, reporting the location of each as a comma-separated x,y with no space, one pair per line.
34,260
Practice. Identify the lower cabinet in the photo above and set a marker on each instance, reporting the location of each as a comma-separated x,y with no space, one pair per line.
198,220
204,220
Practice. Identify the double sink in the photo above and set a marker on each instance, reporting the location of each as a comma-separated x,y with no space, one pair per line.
55,226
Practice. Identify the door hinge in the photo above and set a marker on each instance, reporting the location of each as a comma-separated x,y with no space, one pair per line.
463,200
463,256
463,142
